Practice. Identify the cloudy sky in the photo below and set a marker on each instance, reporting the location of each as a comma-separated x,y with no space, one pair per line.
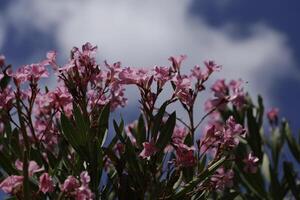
256,41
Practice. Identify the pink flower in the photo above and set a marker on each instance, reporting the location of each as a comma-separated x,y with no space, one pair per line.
179,135
6,98
46,183
31,72
197,73
162,75
128,131
211,67
182,82
128,76
51,56
251,164
61,98
226,136
213,137
185,155
220,89
176,61
85,178
84,193
231,131
134,76
33,167
118,98
51,59
238,96
70,184
2,60
273,115
222,179
11,184
183,89
149,150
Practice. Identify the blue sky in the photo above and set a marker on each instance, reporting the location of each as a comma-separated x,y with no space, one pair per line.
253,40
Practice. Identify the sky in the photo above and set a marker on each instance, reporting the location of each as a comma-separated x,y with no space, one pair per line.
256,41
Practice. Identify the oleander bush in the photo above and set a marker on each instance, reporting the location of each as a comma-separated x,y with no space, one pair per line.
61,143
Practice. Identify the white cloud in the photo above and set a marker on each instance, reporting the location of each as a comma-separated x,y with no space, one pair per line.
144,33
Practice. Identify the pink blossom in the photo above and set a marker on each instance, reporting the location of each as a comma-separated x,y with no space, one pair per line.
31,72
182,82
134,76
96,99
213,137
211,67
6,98
222,179
61,98
67,67
149,150
179,135
162,75
176,61
51,56
114,70
11,184
231,132
251,163
183,89
128,131
85,178
128,76
185,96
225,136
33,167
220,89
273,115
185,155
118,98
84,193
238,96
197,73
70,184
2,60
46,183
51,59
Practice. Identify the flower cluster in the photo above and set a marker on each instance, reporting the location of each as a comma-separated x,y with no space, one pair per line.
224,137
80,190
60,142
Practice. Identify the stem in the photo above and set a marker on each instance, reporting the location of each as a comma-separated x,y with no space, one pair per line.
26,193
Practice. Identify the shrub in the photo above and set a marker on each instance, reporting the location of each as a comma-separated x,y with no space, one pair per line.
57,144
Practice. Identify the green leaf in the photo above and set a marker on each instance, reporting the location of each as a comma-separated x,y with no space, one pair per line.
260,112
72,137
275,187
294,147
119,131
290,175
141,131
103,122
6,163
249,182
201,177
82,124
166,132
254,137
157,121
